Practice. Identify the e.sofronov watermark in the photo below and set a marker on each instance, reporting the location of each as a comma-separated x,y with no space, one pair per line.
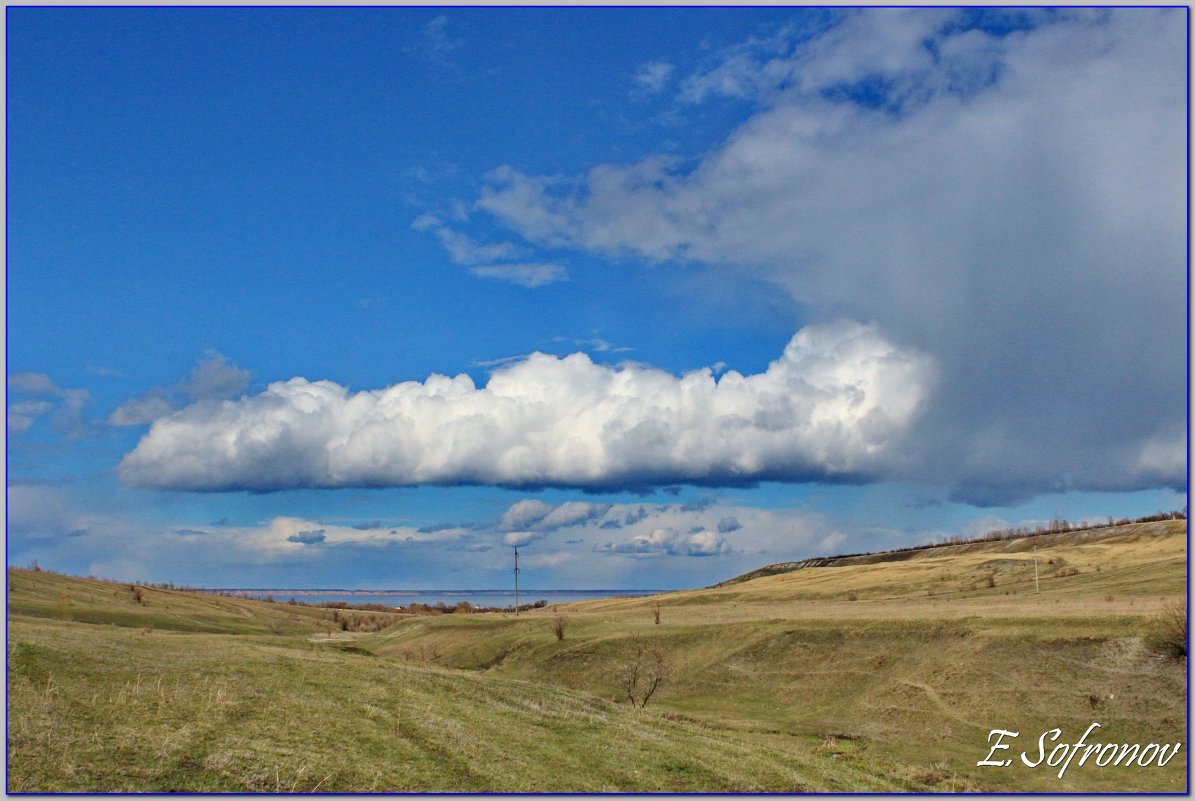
1059,755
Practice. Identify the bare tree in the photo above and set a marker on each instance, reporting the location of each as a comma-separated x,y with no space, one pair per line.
644,667
655,611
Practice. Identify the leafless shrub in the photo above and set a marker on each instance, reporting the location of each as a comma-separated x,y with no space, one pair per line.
365,623
655,611
558,625
644,667
138,594
991,579
1168,631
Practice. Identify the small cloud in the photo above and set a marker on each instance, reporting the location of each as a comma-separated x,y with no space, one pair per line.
523,514
528,275
652,77
729,524
22,415
517,538
628,518
571,514
706,543
65,405
426,222
501,362
32,384
475,547
212,378
463,250
308,537
535,515
668,542
190,532
215,379
139,411
463,529
595,345
434,45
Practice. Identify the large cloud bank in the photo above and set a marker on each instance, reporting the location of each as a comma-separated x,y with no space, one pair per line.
834,405
1009,197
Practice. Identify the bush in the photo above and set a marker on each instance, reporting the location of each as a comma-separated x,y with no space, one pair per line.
361,623
1168,631
558,625
644,667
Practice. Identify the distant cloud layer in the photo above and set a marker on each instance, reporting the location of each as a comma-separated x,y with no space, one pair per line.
834,405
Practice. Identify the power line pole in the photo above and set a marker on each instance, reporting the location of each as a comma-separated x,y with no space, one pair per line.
1036,586
516,581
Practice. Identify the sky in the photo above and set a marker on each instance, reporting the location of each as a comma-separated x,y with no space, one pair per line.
362,298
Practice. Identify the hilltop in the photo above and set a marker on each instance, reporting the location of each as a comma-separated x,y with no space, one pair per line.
997,543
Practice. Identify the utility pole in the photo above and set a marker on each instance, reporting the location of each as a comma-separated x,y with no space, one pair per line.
1036,586
516,581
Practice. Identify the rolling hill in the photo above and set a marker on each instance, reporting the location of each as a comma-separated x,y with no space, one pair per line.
863,676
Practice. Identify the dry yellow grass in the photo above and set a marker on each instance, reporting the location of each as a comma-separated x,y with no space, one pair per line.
918,669
779,683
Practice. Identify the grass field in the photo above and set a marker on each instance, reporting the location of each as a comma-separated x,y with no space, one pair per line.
884,676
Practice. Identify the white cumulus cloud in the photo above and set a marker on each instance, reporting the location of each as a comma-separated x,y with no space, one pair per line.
834,404
670,542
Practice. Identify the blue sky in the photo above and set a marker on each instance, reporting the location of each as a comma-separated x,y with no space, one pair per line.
324,297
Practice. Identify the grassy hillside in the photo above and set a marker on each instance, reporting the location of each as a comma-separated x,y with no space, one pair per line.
1005,543
109,694
877,676
914,661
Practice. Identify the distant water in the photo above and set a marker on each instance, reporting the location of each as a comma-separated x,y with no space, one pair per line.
432,597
